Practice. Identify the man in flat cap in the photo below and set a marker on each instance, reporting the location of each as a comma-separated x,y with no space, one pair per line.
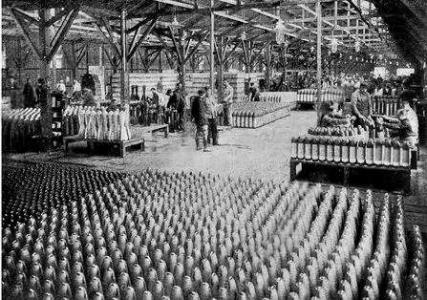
361,105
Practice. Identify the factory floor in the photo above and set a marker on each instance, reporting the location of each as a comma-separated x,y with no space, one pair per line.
258,153
262,153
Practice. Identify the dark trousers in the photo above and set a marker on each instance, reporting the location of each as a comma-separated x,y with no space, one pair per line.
201,136
181,120
227,113
213,131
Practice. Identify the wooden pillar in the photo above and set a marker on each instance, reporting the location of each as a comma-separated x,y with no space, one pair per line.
45,109
319,55
220,68
43,32
181,73
268,66
87,58
124,76
285,61
212,46
160,61
101,54
52,72
75,65
19,63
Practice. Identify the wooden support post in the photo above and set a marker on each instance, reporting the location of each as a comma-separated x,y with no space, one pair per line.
87,58
74,63
181,73
212,45
179,51
160,61
268,66
45,108
247,56
53,72
44,64
124,75
285,61
319,56
220,68
101,55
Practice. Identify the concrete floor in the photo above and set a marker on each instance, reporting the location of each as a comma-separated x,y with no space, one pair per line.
262,153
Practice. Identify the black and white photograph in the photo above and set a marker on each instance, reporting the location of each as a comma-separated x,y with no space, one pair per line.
214,149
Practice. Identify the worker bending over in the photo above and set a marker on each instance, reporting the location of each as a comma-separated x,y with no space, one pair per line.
406,123
332,116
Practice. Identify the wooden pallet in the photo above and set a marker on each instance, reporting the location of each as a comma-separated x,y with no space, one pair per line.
296,166
120,147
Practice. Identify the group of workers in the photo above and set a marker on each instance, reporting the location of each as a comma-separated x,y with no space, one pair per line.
204,109
403,126
204,113
32,97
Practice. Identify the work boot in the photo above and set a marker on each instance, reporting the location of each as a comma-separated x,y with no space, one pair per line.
215,139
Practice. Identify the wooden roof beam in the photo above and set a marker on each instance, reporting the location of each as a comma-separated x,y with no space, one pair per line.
327,22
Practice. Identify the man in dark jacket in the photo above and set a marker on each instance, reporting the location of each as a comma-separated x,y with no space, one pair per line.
171,110
199,116
180,105
41,92
361,105
29,95
155,99
88,99
88,82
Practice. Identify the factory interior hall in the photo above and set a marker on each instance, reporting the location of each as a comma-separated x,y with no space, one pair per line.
214,149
